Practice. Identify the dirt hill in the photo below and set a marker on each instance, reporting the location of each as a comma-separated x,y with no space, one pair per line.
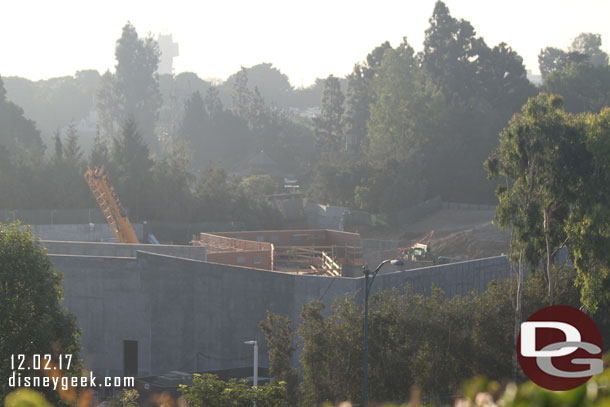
458,233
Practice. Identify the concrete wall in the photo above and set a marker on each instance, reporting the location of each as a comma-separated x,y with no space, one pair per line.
176,308
100,232
122,249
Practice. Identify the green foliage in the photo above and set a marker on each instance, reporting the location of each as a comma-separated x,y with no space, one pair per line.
241,94
208,390
328,131
133,91
55,102
589,223
26,398
430,340
556,170
126,398
581,75
335,181
589,44
449,46
220,198
195,118
542,155
259,185
65,173
585,87
171,184
279,335
131,162
33,320
480,392
395,131
17,133
272,83
553,59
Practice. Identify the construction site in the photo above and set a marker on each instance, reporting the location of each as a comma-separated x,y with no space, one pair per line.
150,308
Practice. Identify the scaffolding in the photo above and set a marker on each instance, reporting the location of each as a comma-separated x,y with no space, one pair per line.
320,252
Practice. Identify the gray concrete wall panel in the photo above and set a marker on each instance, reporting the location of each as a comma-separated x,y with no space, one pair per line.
176,308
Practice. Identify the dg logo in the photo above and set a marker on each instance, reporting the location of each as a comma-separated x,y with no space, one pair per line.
560,348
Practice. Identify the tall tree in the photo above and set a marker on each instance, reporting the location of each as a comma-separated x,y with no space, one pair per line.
132,165
134,89
273,85
279,335
241,94
585,87
449,46
327,125
195,119
17,133
374,58
100,152
588,229
590,44
554,59
502,79
357,108
396,129
585,48
212,101
551,59
171,183
33,321
542,154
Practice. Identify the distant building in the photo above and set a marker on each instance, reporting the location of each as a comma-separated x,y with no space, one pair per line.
169,50
534,78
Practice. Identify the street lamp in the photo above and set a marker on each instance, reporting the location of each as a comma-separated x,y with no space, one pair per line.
255,375
367,289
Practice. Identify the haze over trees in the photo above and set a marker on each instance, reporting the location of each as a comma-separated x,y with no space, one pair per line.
133,91
400,128
581,74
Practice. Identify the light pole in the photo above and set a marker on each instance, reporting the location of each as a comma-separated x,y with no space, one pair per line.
255,375
367,289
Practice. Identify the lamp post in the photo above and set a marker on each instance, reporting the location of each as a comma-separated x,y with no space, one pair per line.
368,282
255,375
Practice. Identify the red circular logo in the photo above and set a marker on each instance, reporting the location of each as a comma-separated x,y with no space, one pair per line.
560,348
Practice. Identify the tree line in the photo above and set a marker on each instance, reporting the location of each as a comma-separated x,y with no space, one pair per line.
400,128
428,340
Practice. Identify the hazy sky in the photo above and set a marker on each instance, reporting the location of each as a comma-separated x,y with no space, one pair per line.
305,39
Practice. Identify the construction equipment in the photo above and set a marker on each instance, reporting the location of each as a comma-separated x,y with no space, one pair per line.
418,251
109,203
421,252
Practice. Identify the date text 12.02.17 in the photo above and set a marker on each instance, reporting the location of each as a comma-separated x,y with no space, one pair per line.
41,362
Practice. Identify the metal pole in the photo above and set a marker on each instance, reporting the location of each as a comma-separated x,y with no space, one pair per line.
367,288
365,366
255,376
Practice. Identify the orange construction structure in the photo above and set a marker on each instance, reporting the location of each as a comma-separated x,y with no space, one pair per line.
109,203
226,250
318,251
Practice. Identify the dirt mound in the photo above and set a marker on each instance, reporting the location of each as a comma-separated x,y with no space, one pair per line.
458,233
475,243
